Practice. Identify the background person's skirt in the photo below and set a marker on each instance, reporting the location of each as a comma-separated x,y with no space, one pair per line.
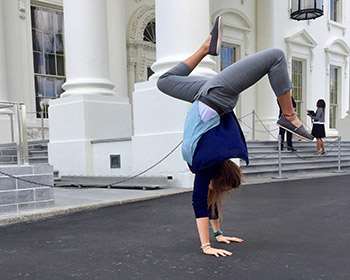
318,130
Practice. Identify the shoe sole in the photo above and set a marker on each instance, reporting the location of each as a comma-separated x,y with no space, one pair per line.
293,132
220,32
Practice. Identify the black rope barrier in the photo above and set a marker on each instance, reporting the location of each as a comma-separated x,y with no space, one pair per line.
103,186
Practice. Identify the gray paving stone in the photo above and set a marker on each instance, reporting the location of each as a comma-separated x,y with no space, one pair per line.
44,194
25,196
7,183
8,208
43,169
42,179
14,196
17,169
8,197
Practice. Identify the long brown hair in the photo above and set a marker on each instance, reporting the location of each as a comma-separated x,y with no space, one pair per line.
321,104
227,176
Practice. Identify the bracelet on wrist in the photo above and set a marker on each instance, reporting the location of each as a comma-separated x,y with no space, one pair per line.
217,233
205,245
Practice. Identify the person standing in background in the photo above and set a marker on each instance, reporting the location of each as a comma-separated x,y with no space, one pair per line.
283,131
318,130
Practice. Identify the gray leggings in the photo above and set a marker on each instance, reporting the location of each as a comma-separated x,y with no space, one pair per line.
224,88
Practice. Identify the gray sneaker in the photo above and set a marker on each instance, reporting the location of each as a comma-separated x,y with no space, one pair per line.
299,131
216,37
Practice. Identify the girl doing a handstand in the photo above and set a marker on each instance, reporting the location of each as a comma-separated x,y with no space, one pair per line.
212,134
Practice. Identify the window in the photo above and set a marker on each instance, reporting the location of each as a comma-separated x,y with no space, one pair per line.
48,55
335,10
333,97
149,72
228,55
297,80
149,34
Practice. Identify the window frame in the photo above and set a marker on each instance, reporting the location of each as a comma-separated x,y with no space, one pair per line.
334,119
300,109
338,18
236,50
60,73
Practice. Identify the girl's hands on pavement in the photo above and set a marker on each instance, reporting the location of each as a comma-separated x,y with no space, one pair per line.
227,239
216,252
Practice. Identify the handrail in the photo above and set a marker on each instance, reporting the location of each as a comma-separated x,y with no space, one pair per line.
19,112
42,123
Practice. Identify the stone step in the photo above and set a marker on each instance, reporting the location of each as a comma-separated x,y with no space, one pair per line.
8,152
264,158
38,160
299,153
293,165
289,162
312,146
30,143
9,159
290,172
252,144
288,156
36,154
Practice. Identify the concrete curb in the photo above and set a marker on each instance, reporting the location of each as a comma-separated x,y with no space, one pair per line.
42,214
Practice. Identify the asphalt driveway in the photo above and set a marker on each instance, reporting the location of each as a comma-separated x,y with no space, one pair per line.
292,230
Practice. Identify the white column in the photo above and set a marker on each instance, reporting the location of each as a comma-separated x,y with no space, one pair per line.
182,26
87,61
3,75
117,46
344,124
5,123
266,104
89,109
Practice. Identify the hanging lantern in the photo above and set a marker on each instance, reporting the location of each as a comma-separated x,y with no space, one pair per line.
306,9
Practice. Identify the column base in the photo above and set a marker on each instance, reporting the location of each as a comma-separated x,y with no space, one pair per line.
158,128
5,127
343,128
75,121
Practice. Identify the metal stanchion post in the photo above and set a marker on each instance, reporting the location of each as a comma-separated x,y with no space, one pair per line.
12,130
24,133
42,125
279,160
339,157
253,125
19,134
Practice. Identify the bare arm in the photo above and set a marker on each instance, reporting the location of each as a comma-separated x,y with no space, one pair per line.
221,238
203,231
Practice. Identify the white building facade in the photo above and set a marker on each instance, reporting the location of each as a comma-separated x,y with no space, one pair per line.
87,70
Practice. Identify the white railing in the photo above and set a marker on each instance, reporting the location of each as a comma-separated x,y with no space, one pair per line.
17,113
